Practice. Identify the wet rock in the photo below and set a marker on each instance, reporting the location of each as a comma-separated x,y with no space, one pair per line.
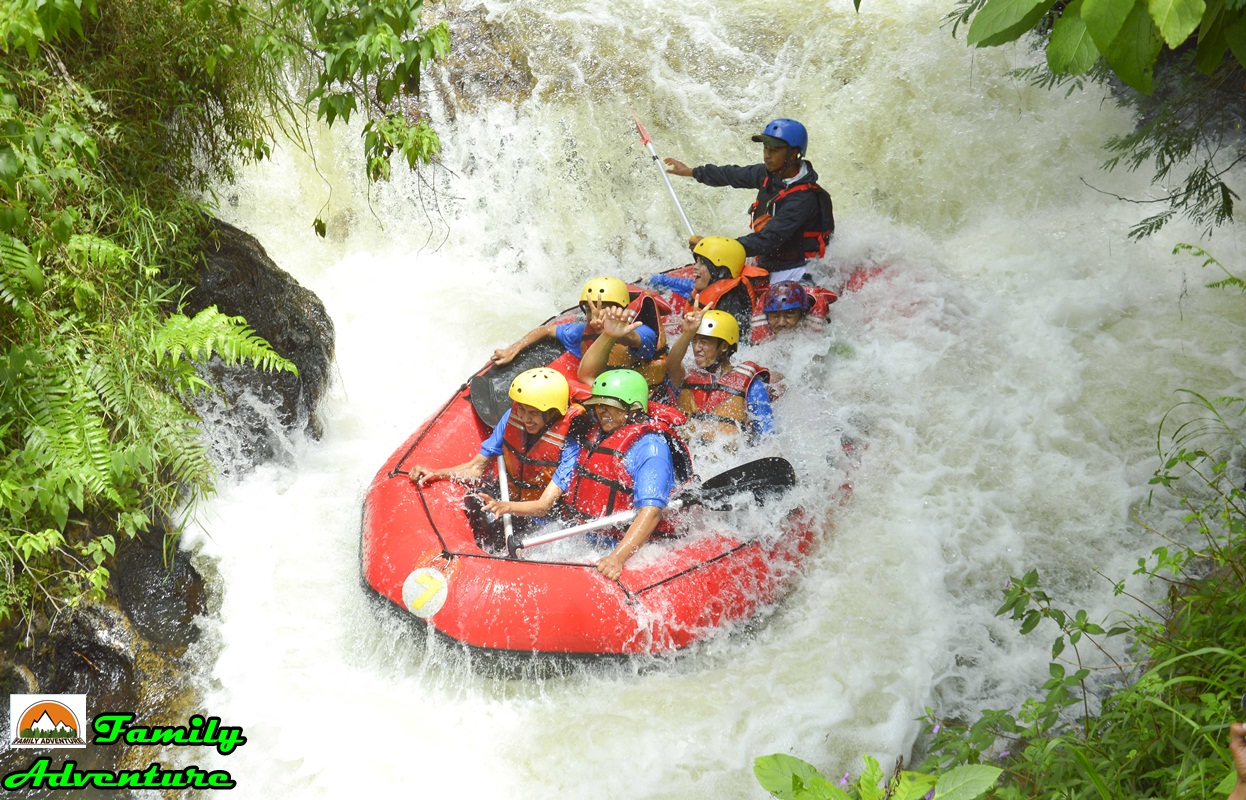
161,599
239,278
487,63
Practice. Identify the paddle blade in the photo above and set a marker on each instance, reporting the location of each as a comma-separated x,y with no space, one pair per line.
766,478
488,398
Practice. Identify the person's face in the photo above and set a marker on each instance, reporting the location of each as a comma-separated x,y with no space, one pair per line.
608,417
700,276
706,350
530,418
784,320
775,158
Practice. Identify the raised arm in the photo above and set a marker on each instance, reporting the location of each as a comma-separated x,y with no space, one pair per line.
617,324
1237,747
688,324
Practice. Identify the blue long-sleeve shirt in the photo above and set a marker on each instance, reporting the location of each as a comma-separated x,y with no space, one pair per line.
570,335
760,414
680,286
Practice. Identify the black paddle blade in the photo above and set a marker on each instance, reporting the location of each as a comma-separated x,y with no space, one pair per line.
489,400
490,388
766,478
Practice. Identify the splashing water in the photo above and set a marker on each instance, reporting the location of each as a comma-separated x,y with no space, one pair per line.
1007,372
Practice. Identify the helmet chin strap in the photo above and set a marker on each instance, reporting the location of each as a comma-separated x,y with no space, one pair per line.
723,357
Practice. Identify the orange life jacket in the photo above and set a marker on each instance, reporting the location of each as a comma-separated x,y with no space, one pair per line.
532,460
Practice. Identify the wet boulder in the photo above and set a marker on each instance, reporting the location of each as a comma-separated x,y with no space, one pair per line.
250,420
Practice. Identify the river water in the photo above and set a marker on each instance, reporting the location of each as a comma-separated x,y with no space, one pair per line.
1008,373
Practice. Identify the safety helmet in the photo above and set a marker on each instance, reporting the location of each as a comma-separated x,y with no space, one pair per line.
542,388
722,252
788,131
784,296
720,325
606,290
622,388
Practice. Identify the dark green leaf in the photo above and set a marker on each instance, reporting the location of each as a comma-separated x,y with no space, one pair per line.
1002,21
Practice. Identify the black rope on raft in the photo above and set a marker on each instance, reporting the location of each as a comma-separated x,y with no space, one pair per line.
428,426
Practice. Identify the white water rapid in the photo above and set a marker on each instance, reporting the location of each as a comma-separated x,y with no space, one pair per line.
1008,376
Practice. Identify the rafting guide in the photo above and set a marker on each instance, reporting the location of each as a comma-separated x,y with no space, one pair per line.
50,721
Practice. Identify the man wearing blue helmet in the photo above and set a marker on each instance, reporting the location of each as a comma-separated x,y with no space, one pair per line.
792,218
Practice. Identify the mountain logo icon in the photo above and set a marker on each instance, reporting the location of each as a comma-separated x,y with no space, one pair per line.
54,720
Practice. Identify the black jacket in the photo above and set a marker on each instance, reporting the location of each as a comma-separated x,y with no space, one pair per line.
788,239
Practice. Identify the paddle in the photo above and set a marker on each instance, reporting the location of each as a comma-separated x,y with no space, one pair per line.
765,478
489,389
644,139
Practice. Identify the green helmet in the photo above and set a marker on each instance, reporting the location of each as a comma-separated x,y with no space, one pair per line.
625,387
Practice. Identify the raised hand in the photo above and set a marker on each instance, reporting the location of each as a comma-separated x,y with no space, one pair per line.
593,324
677,168
691,320
618,322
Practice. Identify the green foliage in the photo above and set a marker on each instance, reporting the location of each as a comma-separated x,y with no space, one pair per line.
115,118
1185,61
1164,734
790,778
1230,281
1128,34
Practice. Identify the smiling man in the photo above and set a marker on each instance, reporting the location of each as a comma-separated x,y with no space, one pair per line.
792,217
627,460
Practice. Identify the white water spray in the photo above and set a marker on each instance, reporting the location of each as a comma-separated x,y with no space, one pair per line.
1007,373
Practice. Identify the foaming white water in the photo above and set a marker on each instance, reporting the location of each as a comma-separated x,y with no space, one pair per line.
1007,374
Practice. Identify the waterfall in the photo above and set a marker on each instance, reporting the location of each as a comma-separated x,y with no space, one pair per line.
1008,372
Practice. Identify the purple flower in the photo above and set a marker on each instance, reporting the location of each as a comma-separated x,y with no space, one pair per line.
1003,755
844,780
935,729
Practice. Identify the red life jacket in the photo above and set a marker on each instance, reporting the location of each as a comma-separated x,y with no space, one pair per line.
532,460
812,242
814,318
720,398
602,485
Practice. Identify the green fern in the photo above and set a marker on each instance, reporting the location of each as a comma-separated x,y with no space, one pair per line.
1229,281
88,249
20,276
211,333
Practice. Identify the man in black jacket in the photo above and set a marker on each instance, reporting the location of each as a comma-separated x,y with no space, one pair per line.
792,218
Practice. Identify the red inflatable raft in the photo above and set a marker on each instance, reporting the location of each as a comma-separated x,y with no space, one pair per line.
420,552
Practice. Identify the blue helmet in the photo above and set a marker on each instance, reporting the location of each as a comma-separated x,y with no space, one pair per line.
788,131
784,296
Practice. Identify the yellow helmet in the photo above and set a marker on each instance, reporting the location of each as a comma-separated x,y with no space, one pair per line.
542,388
722,252
606,290
720,325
